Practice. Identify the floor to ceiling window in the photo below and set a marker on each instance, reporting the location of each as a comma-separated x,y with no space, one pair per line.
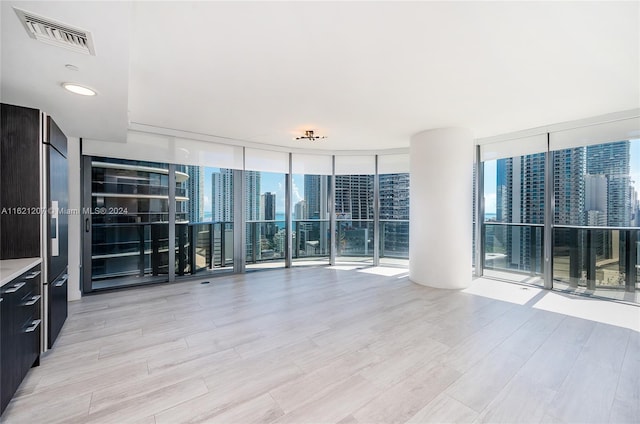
570,201
513,225
353,207
514,211
393,209
310,211
265,215
597,222
265,197
158,221
310,208
204,221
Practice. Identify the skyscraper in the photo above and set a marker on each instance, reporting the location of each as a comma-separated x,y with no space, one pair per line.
394,196
316,189
300,210
354,196
520,199
195,191
252,187
596,199
222,195
394,205
569,186
612,161
269,204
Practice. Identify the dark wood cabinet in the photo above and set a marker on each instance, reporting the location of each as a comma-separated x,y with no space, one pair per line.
20,148
34,221
20,329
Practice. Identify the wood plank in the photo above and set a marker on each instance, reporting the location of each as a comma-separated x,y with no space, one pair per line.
327,346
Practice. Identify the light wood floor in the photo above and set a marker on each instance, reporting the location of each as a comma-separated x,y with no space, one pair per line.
342,345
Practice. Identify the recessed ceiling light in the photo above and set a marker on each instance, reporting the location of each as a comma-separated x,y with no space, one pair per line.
78,89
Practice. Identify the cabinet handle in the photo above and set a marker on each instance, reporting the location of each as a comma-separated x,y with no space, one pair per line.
34,325
34,274
33,300
15,287
62,281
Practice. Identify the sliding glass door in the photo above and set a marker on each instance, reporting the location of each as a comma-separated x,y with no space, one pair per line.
126,224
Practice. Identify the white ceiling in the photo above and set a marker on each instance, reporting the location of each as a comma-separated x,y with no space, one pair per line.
366,74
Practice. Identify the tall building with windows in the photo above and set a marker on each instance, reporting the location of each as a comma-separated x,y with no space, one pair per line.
300,210
222,195
268,202
252,189
394,206
520,199
503,184
394,196
569,186
316,189
354,196
195,190
612,161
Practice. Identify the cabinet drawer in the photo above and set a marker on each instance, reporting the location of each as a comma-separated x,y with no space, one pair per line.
20,331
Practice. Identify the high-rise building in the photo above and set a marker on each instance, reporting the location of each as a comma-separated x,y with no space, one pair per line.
252,189
268,204
316,188
300,210
596,199
195,191
394,196
503,182
354,196
612,161
635,207
394,205
222,195
520,199
569,186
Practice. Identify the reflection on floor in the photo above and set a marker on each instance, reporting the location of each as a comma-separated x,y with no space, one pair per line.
602,292
337,344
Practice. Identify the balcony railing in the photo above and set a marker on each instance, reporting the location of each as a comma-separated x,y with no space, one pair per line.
354,237
514,247
583,256
311,239
597,257
394,238
266,241
143,249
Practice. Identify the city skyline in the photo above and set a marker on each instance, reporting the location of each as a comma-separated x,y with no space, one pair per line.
490,177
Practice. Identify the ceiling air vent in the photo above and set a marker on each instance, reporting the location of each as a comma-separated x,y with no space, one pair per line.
56,33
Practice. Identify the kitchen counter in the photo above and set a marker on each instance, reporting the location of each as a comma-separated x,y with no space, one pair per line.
12,268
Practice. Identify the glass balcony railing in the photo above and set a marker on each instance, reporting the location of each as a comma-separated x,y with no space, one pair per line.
121,250
596,257
394,239
354,238
311,239
513,247
266,241
203,246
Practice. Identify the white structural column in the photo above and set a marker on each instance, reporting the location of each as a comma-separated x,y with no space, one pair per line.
440,226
